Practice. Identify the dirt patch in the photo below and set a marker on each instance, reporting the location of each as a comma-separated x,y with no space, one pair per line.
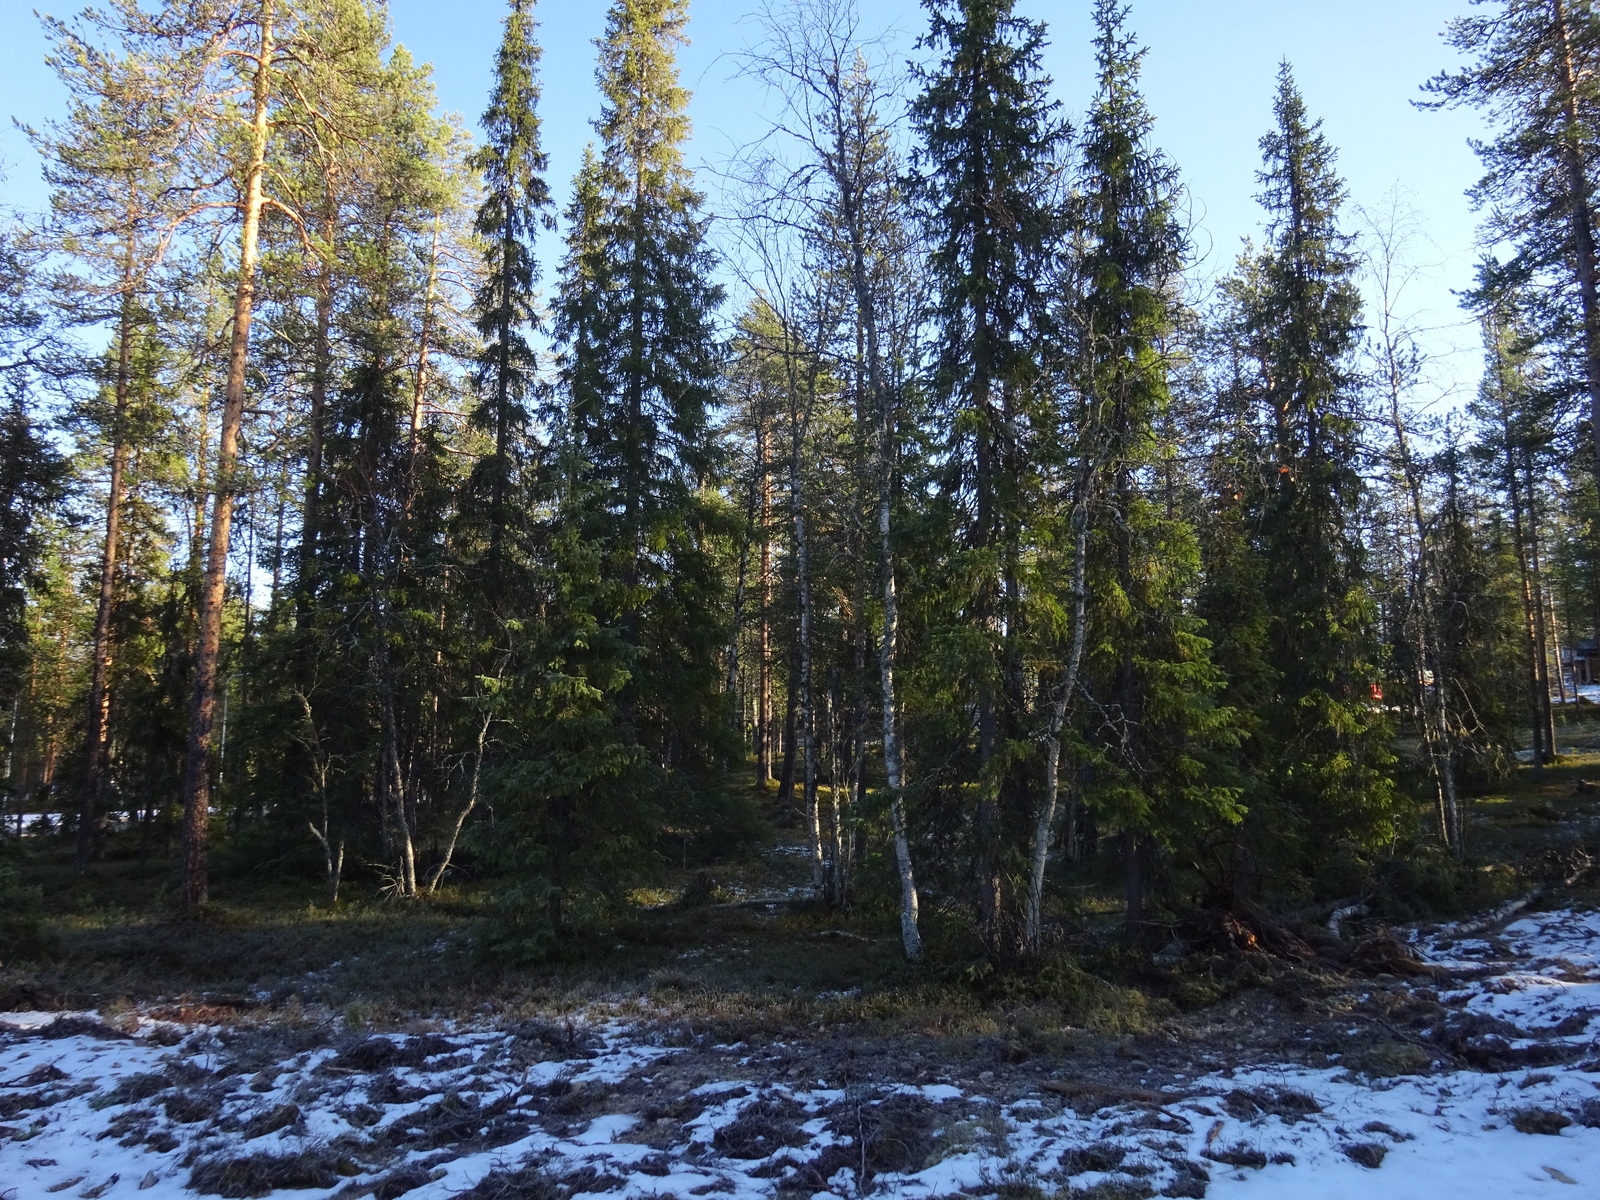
388,1088
1240,1155
1367,1154
384,1053
551,1041
63,1027
1539,1120
762,1129
1099,1156
534,1181
890,1134
132,1090
250,1050
1191,1183
279,1117
16,1105
1485,1043
1287,1103
262,1174
407,1179
456,1121
190,1108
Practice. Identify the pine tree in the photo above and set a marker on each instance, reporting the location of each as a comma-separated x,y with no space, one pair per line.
31,472
326,164
109,165
1533,70
991,141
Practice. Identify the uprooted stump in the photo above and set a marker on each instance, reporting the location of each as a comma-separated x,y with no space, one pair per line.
1385,954
1233,926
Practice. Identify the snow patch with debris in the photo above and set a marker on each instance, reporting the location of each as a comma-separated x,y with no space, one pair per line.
133,1106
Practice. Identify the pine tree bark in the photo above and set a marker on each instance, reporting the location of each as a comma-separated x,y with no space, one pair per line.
764,714
98,726
807,727
208,634
1533,643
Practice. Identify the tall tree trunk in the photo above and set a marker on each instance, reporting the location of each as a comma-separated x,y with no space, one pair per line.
419,382
1555,648
1541,635
1434,709
466,809
1530,615
321,370
764,713
208,634
867,314
98,726
1044,825
1134,882
790,721
807,728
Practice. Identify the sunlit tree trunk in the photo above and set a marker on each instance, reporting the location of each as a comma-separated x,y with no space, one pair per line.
208,634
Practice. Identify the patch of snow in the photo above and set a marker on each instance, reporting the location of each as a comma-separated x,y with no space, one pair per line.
1450,1134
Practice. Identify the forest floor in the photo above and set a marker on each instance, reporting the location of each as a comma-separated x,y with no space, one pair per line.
755,1048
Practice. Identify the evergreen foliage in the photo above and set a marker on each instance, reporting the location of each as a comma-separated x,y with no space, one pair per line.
515,205
974,553
1150,732
1308,649
623,721
985,175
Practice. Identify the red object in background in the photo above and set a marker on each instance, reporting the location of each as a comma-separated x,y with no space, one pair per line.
1377,692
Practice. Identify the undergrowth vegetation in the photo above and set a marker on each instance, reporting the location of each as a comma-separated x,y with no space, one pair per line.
734,942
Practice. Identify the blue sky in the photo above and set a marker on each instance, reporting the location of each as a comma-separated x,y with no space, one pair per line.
1209,79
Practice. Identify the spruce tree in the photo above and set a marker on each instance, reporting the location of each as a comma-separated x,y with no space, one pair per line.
1323,752
990,144
621,688
640,419
1150,723
515,205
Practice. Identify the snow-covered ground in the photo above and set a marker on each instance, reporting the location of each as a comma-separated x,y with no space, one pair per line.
125,1105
